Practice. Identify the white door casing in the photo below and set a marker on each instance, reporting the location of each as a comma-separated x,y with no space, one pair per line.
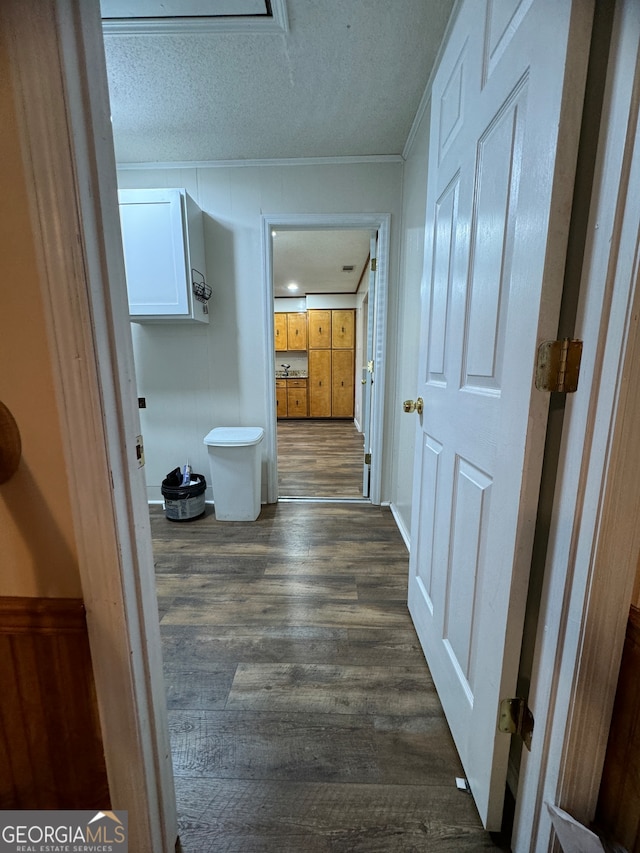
508,88
60,87
379,222
367,377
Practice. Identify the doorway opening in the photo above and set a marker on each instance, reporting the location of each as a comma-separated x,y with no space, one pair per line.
321,281
325,358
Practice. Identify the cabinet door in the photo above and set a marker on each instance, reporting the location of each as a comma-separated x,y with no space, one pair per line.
163,245
319,329
297,331
319,383
297,399
281,398
342,385
154,252
280,332
343,329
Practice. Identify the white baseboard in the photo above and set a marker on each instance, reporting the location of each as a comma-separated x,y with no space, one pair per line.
401,526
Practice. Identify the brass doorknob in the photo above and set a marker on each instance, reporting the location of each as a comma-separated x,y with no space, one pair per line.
411,406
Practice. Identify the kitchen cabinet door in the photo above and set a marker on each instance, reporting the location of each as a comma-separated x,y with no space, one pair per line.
319,383
342,384
281,398
343,329
296,398
319,329
297,331
280,332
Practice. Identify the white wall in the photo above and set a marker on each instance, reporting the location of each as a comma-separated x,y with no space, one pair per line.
198,377
403,428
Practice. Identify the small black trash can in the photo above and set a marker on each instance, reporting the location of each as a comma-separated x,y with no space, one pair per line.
183,503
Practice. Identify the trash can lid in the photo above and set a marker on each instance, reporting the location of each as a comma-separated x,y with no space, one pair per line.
234,436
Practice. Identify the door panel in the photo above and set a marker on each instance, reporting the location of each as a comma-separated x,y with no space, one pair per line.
498,202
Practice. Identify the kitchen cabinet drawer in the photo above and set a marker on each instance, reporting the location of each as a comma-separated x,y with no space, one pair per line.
163,245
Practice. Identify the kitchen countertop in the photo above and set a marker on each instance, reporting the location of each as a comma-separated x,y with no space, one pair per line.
292,374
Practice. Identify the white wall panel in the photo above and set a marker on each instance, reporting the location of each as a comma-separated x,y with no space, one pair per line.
403,429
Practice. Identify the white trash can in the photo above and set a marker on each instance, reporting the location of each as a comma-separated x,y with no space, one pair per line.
236,467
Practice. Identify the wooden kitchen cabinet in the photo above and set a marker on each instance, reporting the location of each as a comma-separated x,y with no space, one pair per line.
280,332
343,329
342,383
319,383
281,398
319,329
297,331
296,398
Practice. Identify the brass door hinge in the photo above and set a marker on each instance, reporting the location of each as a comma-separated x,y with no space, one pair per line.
558,366
374,264
367,459
516,719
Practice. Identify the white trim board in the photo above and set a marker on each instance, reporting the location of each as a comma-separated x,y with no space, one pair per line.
291,161
380,222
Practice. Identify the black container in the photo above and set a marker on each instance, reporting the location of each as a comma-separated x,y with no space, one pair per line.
183,503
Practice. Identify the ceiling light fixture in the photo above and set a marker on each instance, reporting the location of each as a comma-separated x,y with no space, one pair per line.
292,286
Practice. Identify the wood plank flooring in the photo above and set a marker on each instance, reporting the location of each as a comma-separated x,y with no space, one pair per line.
319,458
303,718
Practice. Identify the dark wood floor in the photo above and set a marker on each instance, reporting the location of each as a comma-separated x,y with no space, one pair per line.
319,458
302,714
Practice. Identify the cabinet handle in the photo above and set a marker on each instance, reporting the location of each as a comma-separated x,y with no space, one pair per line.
343,330
320,329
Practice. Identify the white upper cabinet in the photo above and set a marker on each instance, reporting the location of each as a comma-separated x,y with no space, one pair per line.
163,241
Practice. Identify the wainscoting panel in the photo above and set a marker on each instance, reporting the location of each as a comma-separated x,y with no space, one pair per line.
50,743
619,804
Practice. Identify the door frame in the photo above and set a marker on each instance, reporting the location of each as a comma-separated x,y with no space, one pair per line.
59,80
380,222
583,613
585,603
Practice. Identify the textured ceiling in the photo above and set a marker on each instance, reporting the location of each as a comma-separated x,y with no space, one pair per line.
314,259
346,80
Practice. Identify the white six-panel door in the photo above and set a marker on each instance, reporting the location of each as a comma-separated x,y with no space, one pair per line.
504,133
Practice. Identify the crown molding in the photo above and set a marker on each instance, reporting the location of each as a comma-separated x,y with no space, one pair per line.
293,161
